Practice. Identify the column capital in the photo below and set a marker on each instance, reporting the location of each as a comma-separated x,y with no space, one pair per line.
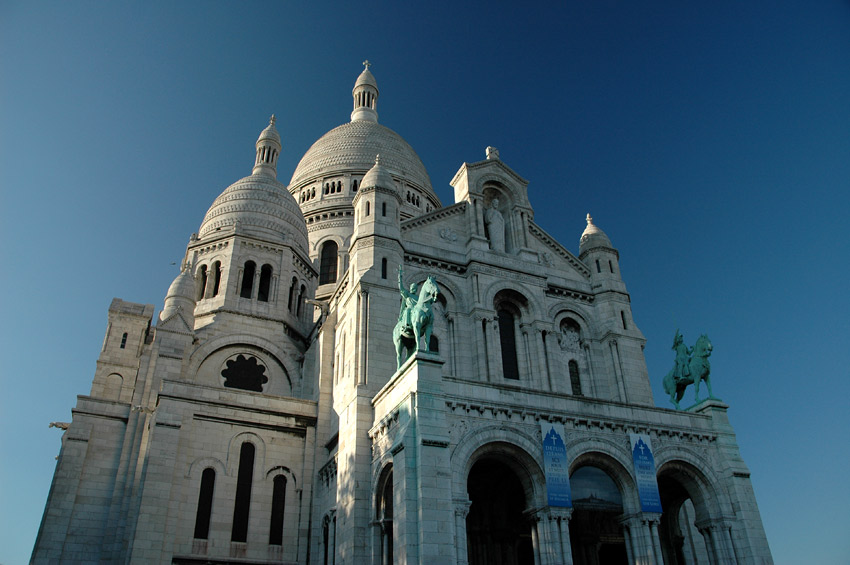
462,507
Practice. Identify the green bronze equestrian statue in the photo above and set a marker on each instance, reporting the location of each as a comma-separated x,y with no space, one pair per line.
415,317
690,367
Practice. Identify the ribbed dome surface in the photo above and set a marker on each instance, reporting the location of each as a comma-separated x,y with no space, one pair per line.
352,148
366,78
262,207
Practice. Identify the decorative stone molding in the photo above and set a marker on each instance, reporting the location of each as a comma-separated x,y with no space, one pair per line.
432,263
558,291
550,242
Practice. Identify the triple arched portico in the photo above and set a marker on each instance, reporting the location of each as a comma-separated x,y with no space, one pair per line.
499,510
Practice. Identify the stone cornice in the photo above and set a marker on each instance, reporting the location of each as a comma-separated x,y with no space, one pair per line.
432,262
559,291
434,215
516,413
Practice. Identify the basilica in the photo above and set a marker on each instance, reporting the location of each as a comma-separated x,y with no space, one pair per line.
267,415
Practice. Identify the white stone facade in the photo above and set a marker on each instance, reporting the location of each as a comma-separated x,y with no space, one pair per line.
262,419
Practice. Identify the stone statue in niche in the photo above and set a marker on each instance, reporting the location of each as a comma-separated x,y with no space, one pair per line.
495,226
244,373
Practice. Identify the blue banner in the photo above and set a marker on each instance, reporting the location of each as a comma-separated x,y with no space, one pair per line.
644,462
556,465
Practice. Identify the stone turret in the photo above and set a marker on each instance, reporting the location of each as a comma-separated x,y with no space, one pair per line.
365,94
268,150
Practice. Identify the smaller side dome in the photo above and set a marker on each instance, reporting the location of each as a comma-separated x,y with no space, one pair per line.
593,237
377,176
181,297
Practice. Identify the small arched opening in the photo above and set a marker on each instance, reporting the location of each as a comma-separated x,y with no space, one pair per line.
248,279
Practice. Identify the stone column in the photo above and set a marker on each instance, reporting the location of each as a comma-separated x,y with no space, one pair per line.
643,551
494,348
591,381
706,532
461,512
629,552
479,217
560,532
524,222
618,373
481,343
525,361
450,322
535,541
545,376
656,541
362,336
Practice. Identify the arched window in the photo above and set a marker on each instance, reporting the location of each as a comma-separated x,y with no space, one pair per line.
367,208
611,265
575,381
216,274
354,186
265,283
202,282
205,500
292,288
385,515
383,208
384,268
248,279
623,317
327,262
507,336
598,268
124,340
301,293
434,344
242,504
278,504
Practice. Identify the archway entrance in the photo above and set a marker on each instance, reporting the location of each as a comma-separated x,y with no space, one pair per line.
497,531
596,535
681,542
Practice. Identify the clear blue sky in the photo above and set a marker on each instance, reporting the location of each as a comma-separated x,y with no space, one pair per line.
710,140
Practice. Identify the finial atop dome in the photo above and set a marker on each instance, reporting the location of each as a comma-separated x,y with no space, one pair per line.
365,95
268,150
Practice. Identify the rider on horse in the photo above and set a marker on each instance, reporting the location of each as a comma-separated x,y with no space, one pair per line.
683,352
408,299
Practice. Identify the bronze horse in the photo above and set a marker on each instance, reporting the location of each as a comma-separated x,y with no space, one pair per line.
700,369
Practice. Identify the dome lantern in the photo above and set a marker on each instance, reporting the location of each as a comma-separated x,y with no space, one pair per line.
365,95
268,150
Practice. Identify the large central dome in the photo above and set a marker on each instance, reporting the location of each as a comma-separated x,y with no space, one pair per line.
352,147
